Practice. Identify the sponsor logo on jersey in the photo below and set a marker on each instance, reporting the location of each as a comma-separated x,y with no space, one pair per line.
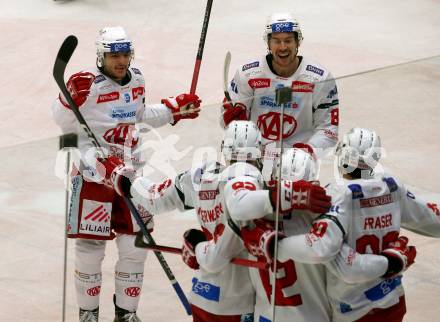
382,289
137,91
270,125
136,71
234,86
122,113
332,93
123,134
133,291
356,191
379,222
208,194
99,79
127,97
434,208
270,102
391,183
259,82
330,134
376,201
108,97
206,290
315,70
251,65
210,215
302,87
409,194
94,291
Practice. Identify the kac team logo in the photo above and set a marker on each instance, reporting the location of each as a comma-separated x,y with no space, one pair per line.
270,125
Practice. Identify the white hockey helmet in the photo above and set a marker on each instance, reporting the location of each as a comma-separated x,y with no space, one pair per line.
242,142
297,164
282,22
359,149
112,40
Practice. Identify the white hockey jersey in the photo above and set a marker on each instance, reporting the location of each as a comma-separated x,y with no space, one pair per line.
300,288
313,115
111,111
219,287
371,213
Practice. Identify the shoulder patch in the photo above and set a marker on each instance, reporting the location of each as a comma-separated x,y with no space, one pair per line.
136,71
315,70
391,183
356,191
251,65
99,78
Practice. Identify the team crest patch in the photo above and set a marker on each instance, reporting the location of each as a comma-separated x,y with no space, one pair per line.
251,65
315,70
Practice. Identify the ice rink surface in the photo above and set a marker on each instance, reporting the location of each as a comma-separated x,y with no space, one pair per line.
349,37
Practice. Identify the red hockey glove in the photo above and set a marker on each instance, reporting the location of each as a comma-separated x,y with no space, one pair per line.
233,112
260,240
184,106
78,86
300,195
191,238
400,256
118,175
306,147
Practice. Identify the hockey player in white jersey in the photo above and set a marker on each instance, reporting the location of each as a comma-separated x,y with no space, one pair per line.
300,287
311,119
111,97
370,210
221,291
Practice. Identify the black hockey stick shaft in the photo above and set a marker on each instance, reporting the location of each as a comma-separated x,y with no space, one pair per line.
63,57
195,77
178,251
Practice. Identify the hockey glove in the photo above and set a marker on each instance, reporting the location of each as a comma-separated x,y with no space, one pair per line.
118,175
191,238
184,106
260,240
78,86
400,256
300,195
233,112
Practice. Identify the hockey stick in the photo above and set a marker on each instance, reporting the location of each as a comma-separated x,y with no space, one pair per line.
63,57
174,250
201,47
226,77
283,96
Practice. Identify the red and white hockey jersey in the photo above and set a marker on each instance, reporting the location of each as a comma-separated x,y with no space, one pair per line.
300,288
111,111
219,287
371,213
311,118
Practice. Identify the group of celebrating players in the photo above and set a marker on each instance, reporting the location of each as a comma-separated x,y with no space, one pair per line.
330,253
